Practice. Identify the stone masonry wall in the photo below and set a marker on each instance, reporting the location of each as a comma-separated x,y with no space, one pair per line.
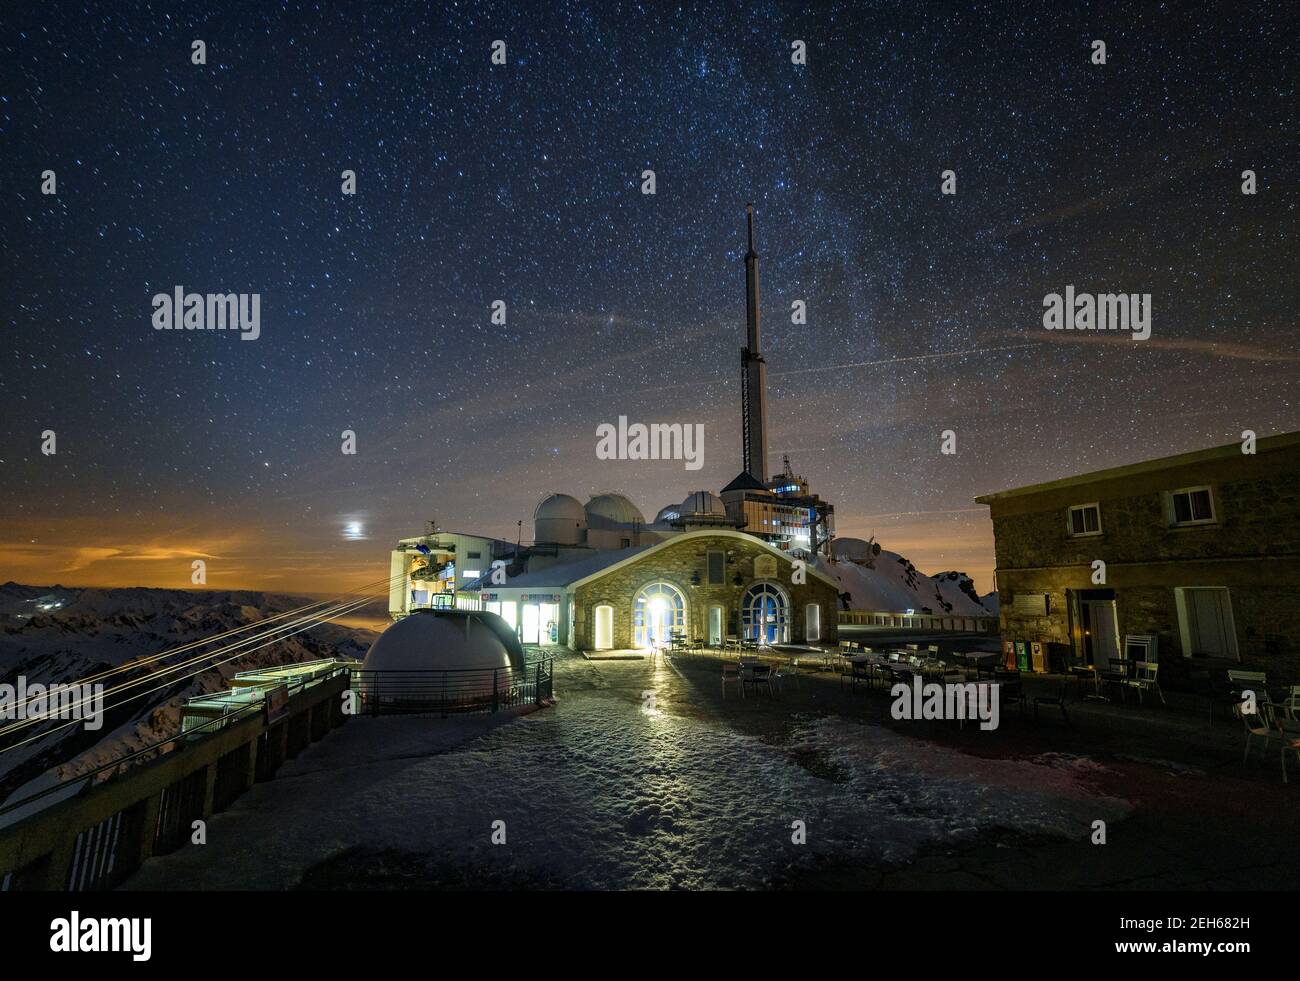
675,564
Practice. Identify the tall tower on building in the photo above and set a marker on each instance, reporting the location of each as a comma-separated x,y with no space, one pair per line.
753,382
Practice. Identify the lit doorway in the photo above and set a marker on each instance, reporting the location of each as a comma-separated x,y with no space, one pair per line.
659,611
532,618
715,626
604,628
1100,632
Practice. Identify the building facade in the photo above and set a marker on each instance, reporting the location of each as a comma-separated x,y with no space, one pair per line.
708,585
1193,560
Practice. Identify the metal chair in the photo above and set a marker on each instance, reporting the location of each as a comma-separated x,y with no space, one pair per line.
1058,700
731,672
1145,679
782,671
1259,725
756,674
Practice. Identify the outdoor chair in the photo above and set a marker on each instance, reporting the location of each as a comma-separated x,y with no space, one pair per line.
1117,674
1259,725
879,676
1011,688
1242,681
783,671
1215,692
1290,744
1058,700
1144,679
755,675
859,674
731,673
1291,704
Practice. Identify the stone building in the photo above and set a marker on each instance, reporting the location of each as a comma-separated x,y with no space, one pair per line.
1191,559
706,584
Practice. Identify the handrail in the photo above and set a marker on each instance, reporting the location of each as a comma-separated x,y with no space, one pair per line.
184,735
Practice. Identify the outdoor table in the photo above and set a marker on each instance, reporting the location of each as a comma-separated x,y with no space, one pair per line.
1081,671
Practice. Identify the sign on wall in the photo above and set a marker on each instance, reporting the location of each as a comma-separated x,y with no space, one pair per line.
765,567
1030,604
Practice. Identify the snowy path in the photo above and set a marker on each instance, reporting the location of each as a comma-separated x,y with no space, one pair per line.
599,793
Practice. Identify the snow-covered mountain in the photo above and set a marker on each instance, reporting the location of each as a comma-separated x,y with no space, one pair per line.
61,635
892,583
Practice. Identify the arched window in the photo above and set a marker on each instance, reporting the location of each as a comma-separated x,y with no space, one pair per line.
765,614
659,610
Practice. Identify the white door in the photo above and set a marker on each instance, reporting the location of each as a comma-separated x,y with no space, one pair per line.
604,628
1105,632
812,623
1208,620
715,626
531,617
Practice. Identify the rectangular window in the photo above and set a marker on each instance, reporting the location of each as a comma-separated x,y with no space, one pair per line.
474,555
1191,506
1085,519
716,563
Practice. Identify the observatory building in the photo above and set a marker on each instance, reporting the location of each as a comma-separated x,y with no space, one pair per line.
599,576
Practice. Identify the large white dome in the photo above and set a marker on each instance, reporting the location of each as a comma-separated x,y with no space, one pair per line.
442,640
702,502
560,519
612,510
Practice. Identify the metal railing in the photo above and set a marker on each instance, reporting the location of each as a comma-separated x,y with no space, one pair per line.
983,624
94,830
455,690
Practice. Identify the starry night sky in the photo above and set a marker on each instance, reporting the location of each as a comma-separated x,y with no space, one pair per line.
523,183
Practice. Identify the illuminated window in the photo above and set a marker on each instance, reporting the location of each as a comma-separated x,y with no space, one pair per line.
765,614
660,609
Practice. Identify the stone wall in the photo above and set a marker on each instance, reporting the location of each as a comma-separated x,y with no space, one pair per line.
675,563
1253,549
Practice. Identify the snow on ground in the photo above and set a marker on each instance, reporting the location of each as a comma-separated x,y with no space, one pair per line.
597,793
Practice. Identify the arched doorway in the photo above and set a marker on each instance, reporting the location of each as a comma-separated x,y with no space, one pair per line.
604,638
658,610
765,614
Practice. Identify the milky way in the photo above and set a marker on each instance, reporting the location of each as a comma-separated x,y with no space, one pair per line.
522,182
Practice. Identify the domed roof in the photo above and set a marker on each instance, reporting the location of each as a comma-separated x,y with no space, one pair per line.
435,640
560,507
671,513
702,502
613,509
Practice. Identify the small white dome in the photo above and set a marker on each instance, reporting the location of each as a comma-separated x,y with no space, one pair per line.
402,670
612,510
440,640
671,513
560,519
702,502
